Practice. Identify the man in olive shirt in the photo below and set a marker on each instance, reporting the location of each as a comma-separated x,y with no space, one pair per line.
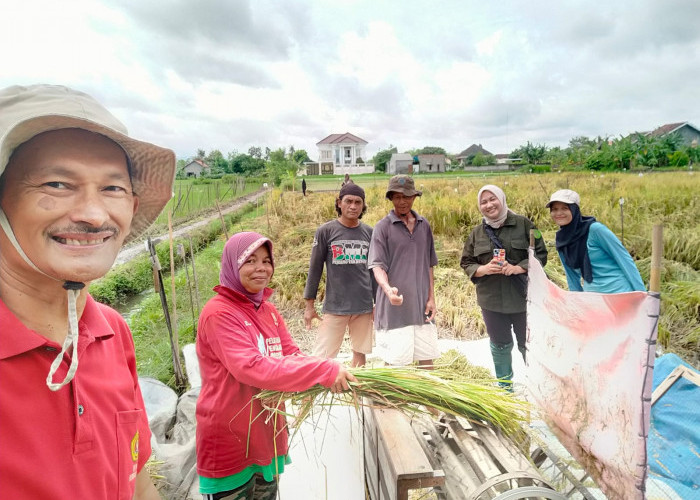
402,256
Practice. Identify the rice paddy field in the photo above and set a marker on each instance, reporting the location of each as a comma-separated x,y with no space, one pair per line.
449,203
191,200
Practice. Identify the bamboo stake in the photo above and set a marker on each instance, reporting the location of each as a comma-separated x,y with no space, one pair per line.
223,222
160,289
181,253
194,275
267,212
657,252
622,221
175,344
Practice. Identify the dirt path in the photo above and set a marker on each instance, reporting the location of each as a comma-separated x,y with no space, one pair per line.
134,250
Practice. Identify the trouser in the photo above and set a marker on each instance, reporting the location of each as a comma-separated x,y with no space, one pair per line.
255,489
500,327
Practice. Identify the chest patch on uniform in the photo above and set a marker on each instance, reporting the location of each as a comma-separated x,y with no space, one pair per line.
135,447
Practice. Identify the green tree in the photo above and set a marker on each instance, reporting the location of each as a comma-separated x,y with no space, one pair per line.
622,152
255,152
281,165
300,156
381,159
430,150
217,163
530,153
556,157
479,160
246,164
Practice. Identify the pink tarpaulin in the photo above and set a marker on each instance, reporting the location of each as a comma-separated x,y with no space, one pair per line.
590,363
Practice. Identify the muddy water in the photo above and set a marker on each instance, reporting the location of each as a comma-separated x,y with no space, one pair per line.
132,304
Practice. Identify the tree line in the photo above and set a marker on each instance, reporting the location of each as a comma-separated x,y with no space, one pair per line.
599,153
276,164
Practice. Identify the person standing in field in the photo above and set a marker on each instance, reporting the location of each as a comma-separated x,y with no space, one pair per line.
243,347
495,257
342,245
73,188
402,257
594,259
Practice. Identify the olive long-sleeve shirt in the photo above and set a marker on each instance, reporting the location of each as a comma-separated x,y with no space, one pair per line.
498,292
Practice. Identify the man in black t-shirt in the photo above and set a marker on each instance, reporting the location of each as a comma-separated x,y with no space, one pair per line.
342,245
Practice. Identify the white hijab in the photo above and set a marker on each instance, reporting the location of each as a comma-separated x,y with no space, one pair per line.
498,193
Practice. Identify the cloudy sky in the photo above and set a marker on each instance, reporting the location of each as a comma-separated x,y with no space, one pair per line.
229,74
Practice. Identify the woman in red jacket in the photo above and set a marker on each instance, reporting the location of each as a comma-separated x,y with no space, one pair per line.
243,346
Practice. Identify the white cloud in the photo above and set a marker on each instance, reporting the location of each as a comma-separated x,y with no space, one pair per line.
488,45
226,75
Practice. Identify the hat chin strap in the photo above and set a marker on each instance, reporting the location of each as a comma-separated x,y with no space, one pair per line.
73,290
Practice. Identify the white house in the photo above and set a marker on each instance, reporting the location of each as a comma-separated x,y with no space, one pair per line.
400,163
341,154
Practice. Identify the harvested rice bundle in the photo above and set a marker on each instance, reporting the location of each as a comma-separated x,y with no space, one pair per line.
455,360
413,390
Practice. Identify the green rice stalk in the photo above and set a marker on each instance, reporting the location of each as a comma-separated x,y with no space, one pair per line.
414,390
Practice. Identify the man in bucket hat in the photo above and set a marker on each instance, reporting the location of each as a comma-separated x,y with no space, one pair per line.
73,188
402,257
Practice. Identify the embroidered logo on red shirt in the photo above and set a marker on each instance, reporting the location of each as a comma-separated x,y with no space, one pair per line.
135,447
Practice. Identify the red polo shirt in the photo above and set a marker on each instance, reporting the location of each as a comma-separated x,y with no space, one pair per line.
90,438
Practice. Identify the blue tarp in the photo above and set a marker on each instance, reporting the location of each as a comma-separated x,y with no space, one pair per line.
674,436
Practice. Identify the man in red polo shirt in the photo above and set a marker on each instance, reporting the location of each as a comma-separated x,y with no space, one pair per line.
73,188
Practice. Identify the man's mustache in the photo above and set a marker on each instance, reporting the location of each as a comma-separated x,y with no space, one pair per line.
86,229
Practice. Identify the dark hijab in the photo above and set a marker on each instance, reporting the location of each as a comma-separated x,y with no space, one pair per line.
572,242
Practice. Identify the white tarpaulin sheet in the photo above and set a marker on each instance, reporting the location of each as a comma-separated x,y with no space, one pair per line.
590,363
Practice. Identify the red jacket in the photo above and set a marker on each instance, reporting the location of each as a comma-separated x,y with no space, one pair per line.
242,350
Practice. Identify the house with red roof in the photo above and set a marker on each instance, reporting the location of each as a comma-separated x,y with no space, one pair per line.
340,154
689,133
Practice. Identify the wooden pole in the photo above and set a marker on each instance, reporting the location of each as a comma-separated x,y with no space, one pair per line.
657,252
622,221
194,274
175,344
181,253
223,222
160,289
267,212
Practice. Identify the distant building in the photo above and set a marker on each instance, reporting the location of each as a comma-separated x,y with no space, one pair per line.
430,163
470,152
502,158
195,168
340,154
688,132
400,163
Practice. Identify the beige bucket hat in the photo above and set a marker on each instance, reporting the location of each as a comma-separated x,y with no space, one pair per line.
29,111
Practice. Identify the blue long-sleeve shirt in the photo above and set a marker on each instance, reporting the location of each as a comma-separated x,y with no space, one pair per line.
614,270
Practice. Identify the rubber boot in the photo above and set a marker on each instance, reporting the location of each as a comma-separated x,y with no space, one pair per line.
523,351
503,364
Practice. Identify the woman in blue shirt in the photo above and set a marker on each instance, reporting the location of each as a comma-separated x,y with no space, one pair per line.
589,250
